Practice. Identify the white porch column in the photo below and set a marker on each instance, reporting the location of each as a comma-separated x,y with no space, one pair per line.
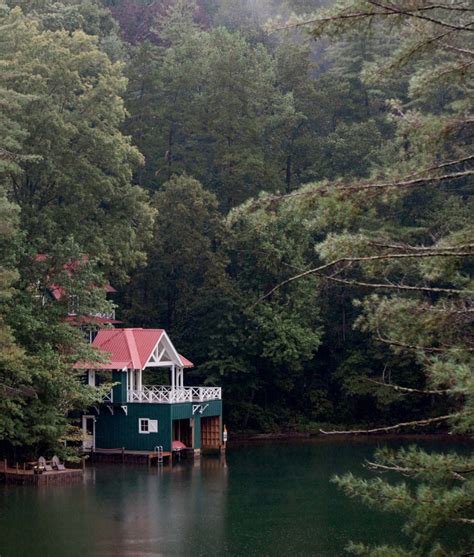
139,379
173,377
181,377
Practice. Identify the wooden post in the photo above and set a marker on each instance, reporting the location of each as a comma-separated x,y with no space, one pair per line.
83,463
224,439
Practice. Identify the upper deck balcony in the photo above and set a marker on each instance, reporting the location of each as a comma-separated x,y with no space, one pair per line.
165,394
132,351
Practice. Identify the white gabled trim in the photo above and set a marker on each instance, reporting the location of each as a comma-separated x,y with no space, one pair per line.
177,359
163,345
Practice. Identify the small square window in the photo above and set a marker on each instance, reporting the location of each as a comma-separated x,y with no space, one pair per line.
143,425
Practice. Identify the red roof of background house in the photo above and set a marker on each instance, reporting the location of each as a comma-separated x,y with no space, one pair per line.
58,291
129,348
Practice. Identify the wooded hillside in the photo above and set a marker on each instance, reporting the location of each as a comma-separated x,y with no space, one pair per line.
283,185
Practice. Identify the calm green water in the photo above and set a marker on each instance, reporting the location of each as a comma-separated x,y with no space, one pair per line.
267,499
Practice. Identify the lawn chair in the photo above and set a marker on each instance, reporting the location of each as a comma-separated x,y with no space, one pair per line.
57,464
42,463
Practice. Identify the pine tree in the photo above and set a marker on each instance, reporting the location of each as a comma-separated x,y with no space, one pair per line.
415,254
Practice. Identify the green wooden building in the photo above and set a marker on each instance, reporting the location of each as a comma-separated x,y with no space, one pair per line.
137,416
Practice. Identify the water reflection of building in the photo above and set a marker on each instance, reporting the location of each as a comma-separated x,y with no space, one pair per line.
165,511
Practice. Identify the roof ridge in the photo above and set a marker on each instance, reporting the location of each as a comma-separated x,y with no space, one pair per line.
132,348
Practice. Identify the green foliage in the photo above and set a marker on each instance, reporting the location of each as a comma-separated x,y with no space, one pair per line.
227,136
185,266
65,193
366,131
415,259
74,107
443,497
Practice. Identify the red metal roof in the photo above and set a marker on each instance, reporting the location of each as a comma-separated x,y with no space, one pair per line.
185,361
129,348
58,291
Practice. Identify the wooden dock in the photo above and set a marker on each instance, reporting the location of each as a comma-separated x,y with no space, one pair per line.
129,457
22,476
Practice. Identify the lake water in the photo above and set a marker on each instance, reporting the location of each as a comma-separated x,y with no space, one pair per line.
263,499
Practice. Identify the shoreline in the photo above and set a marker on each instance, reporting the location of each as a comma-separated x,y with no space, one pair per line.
240,437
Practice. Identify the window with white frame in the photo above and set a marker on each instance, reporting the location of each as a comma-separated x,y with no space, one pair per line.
145,425
91,377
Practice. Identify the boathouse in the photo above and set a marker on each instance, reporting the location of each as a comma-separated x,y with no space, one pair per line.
140,415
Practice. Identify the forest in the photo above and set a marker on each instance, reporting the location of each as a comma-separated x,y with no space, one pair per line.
285,186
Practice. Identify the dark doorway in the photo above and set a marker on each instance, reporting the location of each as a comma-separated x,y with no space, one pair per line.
183,432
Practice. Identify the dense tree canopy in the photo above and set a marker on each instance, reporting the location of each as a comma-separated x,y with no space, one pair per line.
289,193
78,161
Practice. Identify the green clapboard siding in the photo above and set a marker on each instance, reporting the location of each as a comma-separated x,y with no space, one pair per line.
117,430
197,432
120,430
120,390
185,410
214,408
181,411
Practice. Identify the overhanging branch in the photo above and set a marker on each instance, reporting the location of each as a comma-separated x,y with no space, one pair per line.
408,471
399,286
416,423
383,186
409,389
369,258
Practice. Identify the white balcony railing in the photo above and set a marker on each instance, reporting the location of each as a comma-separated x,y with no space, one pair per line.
168,395
105,314
109,397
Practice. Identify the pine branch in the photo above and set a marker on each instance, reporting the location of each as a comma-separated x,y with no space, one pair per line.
351,260
408,471
444,7
416,423
464,521
450,311
413,14
409,389
453,48
416,347
404,183
446,164
409,247
400,286
386,11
